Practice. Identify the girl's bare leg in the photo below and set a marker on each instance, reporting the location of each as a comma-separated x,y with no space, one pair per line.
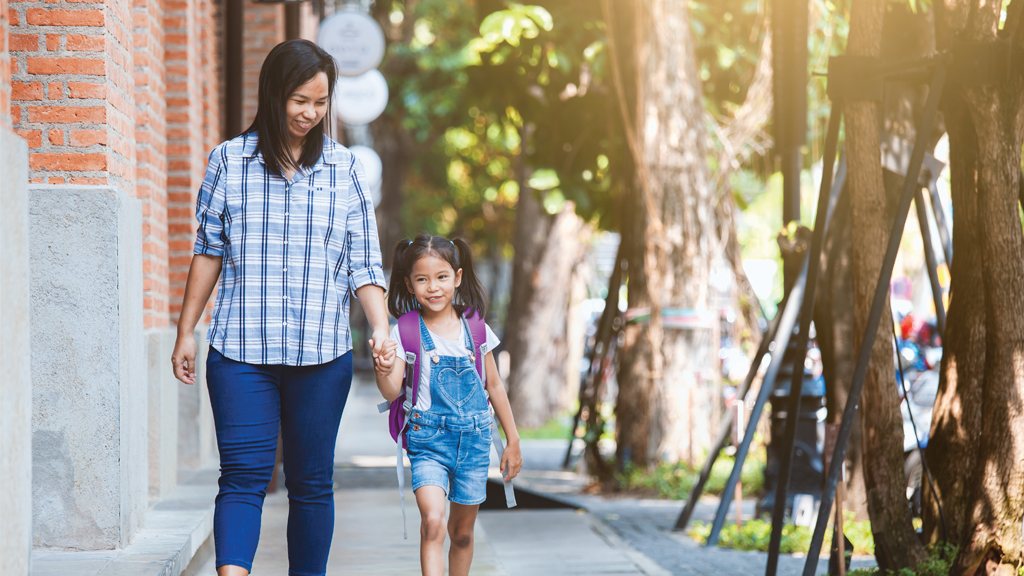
229,570
431,502
460,529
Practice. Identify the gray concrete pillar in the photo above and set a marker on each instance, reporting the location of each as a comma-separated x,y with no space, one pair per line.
89,440
197,439
163,412
15,382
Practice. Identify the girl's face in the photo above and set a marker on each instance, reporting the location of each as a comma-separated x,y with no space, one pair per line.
307,106
433,282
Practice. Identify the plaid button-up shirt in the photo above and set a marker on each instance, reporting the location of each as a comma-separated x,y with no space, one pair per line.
293,253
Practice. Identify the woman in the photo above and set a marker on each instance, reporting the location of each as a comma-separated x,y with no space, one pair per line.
287,224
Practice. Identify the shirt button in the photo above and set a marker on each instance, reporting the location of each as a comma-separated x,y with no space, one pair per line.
284,323
285,269
285,242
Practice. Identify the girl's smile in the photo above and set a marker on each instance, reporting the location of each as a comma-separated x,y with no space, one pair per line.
433,283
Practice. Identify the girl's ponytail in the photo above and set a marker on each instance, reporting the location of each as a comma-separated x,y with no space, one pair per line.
471,293
400,300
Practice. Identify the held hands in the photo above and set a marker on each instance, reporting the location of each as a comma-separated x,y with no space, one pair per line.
511,461
383,354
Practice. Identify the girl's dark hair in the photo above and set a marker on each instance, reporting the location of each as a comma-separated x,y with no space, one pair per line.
469,295
288,66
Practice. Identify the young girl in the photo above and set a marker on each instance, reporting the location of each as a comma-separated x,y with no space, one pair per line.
449,435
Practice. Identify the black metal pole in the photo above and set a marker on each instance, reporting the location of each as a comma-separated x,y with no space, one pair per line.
940,221
783,334
806,314
874,319
785,331
234,22
727,419
930,260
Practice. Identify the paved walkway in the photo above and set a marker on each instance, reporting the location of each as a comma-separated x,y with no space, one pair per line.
614,537
368,521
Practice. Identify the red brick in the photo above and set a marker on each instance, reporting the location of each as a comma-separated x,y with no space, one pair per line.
55,180
67,114
82,138
48,17
79,162
26,90
86,90
87,66
34,137
15,114
12,17
23,42
89,181
53,42
55,91
82,42
57,137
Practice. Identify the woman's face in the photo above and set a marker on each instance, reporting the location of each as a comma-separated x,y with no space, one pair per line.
307,106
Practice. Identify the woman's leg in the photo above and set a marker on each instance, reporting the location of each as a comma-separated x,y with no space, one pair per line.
431,502
246,412
460,529
312,401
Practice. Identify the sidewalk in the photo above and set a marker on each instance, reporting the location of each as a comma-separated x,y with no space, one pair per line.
368,521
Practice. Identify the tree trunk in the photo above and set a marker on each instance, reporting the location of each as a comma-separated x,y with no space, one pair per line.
547,250
956,421
991,539
896,544
666,377
833,322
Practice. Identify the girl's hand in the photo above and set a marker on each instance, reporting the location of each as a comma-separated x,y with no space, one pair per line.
377,341
183,359
511,461
384,362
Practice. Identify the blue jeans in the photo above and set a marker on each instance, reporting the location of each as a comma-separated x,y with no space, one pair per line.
250,402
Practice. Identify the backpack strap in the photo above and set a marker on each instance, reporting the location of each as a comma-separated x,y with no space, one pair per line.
478,334
409,334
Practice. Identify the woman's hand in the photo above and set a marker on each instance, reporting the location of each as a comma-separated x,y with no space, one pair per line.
183,359
511,460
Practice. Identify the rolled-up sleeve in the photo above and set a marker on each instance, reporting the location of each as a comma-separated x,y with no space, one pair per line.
210,207
365,264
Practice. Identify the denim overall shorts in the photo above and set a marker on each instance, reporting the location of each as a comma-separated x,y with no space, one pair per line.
449,444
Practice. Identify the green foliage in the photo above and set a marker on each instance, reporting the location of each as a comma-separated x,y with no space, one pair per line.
756,534
940,560
556,428
674,481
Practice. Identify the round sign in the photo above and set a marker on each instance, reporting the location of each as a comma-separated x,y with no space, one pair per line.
362,99
354,39
372,166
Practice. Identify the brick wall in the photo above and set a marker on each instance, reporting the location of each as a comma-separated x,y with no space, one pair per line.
193,126
264,29
72,95
151,154
5,67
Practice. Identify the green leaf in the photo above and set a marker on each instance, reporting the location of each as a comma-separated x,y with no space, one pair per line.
544,179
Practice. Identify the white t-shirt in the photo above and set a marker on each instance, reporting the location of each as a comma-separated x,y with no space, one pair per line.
443,348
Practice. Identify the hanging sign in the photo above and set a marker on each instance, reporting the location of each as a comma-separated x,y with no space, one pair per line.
354,39
360,100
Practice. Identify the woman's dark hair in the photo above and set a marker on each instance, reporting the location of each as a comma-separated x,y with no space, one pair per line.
288,66
468,295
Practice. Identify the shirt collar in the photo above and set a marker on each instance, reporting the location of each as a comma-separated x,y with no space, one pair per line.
332,151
